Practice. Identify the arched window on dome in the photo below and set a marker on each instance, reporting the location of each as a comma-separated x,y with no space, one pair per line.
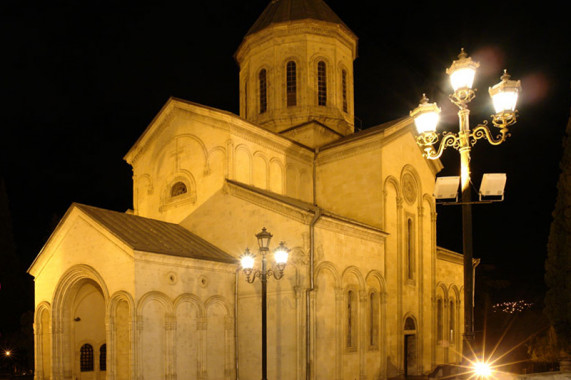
263,91
291,84
321,84
86,358
178,188
344,89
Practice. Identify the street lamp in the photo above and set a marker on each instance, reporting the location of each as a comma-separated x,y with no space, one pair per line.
504,97
247,261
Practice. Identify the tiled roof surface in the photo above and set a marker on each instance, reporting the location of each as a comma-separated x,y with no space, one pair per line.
150,235
289,10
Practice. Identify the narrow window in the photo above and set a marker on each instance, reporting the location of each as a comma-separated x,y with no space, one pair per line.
409,250
321,84
452,322
103,357
291,84
344,89
86,358
373,319
351,320
263,91
178,188
439,320
246,97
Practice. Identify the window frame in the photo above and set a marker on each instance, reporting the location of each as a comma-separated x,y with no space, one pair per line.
263,91
344,96
86,358
291,83
322,83
103,357
351,320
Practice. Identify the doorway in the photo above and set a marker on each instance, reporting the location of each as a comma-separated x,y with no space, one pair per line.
410,364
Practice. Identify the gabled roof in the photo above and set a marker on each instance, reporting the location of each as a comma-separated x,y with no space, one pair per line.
279,11
378,129
305,207
155,236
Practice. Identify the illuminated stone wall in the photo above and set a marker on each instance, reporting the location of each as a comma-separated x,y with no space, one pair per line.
359,211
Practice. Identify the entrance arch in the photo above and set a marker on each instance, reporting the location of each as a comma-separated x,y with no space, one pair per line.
410,356
80,336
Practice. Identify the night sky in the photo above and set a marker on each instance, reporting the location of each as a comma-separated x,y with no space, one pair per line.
81,81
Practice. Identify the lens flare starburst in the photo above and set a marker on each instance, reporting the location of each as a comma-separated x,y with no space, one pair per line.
491,364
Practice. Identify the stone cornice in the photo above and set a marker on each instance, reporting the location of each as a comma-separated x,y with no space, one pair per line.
293,212
370,141
450,256
351,228
360,144
297,28
184,262
303,213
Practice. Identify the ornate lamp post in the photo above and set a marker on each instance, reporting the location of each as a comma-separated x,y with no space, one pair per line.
247,261
504,96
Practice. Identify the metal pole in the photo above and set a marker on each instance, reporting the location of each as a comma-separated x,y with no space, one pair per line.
263,278
467,243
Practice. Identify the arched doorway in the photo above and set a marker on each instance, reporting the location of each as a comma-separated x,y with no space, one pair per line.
88,332
410,347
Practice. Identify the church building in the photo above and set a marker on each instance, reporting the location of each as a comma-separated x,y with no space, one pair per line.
157,292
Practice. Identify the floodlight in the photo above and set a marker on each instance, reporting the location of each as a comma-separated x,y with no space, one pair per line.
493,185
446,187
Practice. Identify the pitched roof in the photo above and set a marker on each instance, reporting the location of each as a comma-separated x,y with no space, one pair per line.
150,235
289,10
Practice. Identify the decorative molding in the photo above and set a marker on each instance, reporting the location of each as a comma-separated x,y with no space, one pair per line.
450,256
409,188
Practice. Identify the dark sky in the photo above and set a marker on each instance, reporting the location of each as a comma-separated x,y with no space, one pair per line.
81,81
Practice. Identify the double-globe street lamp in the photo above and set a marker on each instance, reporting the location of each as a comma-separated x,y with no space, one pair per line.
426,115
247,261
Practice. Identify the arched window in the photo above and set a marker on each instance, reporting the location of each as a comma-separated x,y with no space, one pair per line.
409,250
439,320
178,188
103,357
86,358
291,84
374,319
409,324
321,84
263,91
344,89
452,323
351,320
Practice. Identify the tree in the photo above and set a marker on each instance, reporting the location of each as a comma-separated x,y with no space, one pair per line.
558,263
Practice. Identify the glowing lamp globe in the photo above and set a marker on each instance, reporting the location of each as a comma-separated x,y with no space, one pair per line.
482,370
462,72
504,94
247,260
426,116
281,254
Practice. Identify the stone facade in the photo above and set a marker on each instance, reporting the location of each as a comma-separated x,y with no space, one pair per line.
157,292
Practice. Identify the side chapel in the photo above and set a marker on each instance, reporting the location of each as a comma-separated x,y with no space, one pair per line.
157,292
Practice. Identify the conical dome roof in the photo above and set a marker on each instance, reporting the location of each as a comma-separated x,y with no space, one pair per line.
279,11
